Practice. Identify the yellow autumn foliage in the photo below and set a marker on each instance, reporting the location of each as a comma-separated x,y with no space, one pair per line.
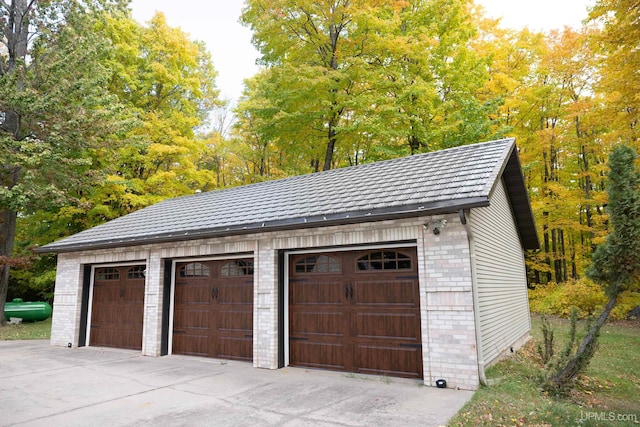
589,298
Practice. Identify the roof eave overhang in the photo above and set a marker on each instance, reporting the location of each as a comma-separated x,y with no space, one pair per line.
519,199
345,218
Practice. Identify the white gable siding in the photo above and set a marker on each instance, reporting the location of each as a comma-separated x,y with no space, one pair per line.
503,306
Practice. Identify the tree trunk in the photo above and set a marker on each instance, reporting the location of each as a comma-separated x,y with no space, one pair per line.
585,350
7,236
587,195
331,142
555,253
563,252
332,64
547,248
328,157
414,144
16,33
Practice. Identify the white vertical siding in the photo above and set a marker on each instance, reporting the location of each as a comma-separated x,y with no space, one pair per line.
503,306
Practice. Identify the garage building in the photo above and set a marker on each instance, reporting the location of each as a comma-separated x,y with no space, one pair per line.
411,267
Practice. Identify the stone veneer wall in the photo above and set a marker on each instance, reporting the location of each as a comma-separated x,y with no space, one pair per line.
448,324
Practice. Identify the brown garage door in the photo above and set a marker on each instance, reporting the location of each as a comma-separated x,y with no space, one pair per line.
117,307
213,309
356,312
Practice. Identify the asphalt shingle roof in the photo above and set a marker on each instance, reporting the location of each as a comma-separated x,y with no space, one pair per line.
437,182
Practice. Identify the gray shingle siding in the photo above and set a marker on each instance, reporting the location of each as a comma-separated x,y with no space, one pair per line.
437,182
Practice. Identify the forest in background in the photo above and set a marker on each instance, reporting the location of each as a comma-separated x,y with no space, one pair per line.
101,115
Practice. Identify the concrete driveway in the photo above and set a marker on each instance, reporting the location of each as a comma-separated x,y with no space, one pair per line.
49,386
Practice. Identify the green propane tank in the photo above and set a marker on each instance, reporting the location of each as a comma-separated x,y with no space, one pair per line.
27,311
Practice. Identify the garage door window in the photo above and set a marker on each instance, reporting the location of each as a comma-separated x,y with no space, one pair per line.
384,260
318,264
107,273
237,268
194,269
136,272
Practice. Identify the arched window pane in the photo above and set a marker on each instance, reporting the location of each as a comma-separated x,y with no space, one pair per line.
107,273
137,272
318,264
237,268
194,269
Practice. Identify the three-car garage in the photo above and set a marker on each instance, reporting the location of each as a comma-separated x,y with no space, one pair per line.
385,268
354,311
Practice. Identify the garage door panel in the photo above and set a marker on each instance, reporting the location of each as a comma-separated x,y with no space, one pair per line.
100,336
191,344
236,348
103,337
386,326
132,311
104,293
388,293
240,292
103,314
389,360
132,319
191,318
131,336
115,338
189,294
193,306
318,323
133,293
318,355
106,317
194,332
234,320
317,293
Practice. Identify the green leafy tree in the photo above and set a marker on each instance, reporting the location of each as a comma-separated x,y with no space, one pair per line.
616,262
437,70
163,84
167,82
353,81
316,52
257,138
52,108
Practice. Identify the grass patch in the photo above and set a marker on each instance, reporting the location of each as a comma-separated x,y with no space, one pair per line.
606,395
27,331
